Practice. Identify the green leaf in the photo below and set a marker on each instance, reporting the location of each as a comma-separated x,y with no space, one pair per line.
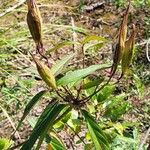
116,108
98,137
105,93
92,38
58,67
57,144
70,27
61,45
94,47
30,105
5,143
93,83
44,123
89,146
139,85
32,121
79,74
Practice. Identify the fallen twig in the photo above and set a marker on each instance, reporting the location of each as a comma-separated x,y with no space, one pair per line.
147,50
74,34
11,122
94,6
12,8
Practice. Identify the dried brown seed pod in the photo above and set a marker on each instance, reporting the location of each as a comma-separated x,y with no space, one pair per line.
34,22
120,45
128,52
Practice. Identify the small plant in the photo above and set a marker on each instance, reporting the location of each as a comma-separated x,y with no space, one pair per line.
5,143
81,95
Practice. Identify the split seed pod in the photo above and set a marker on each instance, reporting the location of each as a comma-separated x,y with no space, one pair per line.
128,52
34,22
45,73
120,45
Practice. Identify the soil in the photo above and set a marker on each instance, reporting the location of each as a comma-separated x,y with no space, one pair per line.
103,20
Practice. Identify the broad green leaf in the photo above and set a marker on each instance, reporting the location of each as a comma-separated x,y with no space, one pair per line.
79,74
93,83
30,105
98,137
116,108
58,67
5,143
61,45
44,123
92,38
89,92
105,93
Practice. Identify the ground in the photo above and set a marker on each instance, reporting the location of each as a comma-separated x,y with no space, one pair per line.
19,73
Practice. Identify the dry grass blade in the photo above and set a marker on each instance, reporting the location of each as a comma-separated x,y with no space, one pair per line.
12,8
11,122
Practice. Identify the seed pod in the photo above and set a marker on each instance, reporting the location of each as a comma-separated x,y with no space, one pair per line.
120,45
49,147
123,28
34,22
128,52
45,73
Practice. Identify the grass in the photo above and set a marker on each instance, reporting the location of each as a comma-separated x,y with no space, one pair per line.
16,66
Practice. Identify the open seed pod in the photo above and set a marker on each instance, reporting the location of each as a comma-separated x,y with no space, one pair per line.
120,45
128,52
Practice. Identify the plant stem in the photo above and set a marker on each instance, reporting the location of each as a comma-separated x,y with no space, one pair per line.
76,134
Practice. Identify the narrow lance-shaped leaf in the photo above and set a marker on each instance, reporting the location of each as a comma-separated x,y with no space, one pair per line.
58,67
43,135
44,123
97,135
61,45
92,38
56,143
30,105
79,74
37,129
91,83
119,46
128,52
